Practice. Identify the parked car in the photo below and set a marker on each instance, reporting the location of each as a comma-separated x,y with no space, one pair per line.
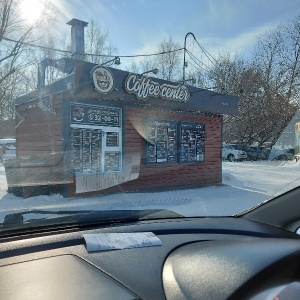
265,153
7,149
252,154
258,151
231,154
281,154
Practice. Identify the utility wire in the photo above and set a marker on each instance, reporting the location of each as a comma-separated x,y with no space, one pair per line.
27,65
206,53
212,70
196,66
109,56
210,58
137,55
36,46
192,55
90,54
194,58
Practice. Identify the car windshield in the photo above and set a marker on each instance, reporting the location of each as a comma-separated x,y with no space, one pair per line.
146,109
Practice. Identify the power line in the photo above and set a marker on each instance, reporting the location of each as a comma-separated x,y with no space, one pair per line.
91,54
210,58
206,52
137,55
36,46
199,61
27,65
212,70
194,58
196,65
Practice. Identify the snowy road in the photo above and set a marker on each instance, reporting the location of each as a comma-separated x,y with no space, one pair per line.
246,184
271,178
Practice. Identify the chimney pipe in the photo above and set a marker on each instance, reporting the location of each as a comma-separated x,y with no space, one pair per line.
77,38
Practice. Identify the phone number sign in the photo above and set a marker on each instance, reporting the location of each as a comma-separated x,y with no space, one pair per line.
95,115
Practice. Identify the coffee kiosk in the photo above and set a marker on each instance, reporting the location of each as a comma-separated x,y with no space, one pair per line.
100,130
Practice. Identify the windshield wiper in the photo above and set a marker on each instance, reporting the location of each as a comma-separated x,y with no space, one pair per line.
84,216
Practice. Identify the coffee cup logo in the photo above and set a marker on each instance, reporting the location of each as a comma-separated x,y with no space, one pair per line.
103,79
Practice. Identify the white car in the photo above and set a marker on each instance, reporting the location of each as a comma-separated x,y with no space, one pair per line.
231,154
7,149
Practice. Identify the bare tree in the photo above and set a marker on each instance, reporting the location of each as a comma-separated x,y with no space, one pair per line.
133,67
97,43
277,55
269,82
54,47
149,64
16,33
291,59
169,64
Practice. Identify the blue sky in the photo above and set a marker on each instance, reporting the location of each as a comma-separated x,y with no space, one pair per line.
138,26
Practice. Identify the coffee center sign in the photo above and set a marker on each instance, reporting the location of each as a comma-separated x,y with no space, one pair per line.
144,87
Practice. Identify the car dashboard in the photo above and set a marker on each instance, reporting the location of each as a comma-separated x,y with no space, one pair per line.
200,258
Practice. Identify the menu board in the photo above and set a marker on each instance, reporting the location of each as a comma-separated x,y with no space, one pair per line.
96,151
86,149
76,149
192,142
161,142
95,138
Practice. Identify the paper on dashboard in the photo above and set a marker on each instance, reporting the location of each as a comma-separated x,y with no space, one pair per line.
111,241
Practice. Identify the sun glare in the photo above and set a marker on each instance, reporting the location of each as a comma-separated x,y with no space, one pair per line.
31,10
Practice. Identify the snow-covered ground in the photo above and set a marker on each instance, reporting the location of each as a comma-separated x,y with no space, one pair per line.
246,184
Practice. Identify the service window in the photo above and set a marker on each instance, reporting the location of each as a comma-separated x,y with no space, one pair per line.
161,142
191,142
96,138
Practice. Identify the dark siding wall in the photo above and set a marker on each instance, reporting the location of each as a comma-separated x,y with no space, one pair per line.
162,175
167,175
7,128
40,133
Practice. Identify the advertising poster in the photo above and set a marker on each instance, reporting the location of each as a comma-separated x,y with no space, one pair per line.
192,142
161,142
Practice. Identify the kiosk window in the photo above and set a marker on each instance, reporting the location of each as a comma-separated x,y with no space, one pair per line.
112,161
112,139
162,142
192,142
